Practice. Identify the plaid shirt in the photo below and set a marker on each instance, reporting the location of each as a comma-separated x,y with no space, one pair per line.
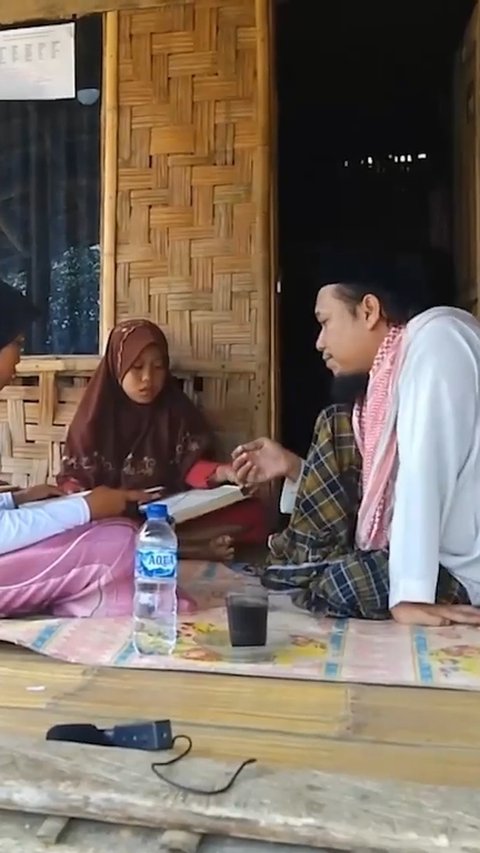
315,554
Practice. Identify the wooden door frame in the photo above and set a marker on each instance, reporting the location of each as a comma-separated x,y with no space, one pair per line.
17,11
267,242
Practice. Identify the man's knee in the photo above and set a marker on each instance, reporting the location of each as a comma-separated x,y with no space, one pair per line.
357,588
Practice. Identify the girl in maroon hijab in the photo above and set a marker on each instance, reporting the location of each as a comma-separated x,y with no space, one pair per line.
136,428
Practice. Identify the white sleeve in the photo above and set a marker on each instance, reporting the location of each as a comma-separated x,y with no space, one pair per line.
436,421
289,492
28,525
6,501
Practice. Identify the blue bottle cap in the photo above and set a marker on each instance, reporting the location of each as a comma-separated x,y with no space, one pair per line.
158,511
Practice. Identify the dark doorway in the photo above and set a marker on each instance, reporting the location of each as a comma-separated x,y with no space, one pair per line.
365,157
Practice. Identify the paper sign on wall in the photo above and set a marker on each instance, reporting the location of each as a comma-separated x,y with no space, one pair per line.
37,63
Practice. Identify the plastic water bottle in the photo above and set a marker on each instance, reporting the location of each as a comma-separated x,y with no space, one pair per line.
155,602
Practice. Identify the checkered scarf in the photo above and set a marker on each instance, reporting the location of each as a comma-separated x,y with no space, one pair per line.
374,429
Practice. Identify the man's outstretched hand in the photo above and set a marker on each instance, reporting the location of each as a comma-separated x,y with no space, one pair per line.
263,460
435,615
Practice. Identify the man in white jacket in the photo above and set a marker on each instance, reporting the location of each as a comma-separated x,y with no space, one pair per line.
385,511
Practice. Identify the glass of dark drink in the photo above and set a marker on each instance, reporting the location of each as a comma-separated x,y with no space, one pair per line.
247,611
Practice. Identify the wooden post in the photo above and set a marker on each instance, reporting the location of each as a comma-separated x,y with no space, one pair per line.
261,194
110,176
275,272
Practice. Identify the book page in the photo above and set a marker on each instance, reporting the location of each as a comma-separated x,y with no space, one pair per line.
196,502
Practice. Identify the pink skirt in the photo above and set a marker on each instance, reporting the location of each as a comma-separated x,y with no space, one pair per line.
87,571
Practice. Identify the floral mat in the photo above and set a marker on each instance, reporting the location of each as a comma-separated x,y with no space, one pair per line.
299,646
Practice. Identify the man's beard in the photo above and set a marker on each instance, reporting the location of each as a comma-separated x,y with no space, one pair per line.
349,388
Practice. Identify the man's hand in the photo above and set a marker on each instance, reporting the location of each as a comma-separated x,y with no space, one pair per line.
264,460
113,503
36,493
435,615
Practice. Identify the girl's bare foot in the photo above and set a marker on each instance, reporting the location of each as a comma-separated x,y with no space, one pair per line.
221,548
218,548
186,605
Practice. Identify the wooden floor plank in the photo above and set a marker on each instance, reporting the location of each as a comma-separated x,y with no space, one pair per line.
283,805
429,736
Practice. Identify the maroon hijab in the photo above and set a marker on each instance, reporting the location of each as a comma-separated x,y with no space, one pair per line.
115,442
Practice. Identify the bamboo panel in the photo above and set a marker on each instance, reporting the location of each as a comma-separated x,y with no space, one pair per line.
34,415
191,234
37,409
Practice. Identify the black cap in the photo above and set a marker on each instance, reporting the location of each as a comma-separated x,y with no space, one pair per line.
402,274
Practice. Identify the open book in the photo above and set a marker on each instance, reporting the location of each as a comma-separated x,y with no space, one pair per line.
185,506
197,502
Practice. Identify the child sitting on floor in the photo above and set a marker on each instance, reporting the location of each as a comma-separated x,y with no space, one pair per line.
136,428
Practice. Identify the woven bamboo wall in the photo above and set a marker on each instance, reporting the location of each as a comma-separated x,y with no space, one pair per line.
187,205
34,414
191,243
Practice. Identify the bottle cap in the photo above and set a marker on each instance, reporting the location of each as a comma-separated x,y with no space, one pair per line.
159,511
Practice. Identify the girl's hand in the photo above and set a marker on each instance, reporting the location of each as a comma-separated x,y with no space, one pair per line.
36,493
113,503
224,474
71,487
